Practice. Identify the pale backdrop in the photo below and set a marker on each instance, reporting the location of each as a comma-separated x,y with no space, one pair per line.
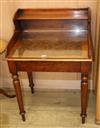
42,80
97,70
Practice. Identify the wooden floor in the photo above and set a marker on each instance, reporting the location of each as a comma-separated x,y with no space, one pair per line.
47,109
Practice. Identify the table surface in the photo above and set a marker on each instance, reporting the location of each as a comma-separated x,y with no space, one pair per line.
51,44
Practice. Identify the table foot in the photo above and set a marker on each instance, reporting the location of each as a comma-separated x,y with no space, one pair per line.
23,116
32,88
83,118
31,84
6,94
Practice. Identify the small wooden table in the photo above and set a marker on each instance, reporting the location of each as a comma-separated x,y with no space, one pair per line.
51,40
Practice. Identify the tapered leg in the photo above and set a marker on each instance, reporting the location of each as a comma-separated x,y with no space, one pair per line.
84,96
31,84
16,83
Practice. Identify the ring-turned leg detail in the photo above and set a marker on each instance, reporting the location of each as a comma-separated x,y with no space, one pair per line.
17,87
31,84
84,96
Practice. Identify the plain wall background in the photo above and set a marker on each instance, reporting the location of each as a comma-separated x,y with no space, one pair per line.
97,75
42,80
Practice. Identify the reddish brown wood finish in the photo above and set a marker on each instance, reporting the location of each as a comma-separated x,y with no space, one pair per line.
83,67
19,95
84,95
16,83
29,20
48,66
31,84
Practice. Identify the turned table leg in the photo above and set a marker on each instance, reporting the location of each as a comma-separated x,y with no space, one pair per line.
84,96
6,94
17,87
31,84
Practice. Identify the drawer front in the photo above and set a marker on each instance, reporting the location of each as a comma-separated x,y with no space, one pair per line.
46,66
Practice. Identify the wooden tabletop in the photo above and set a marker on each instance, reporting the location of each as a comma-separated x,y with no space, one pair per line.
51,45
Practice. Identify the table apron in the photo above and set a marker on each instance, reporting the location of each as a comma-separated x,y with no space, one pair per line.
41,66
